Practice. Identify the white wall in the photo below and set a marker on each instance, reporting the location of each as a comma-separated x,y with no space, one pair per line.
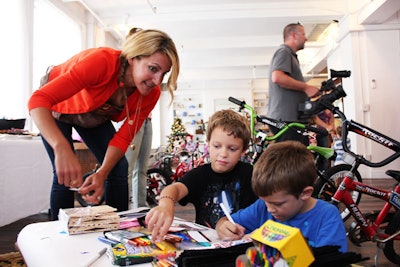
209,96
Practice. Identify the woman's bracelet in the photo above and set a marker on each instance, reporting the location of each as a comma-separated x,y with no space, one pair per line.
169,197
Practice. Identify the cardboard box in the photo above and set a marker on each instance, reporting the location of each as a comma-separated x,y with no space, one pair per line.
89,219
287,240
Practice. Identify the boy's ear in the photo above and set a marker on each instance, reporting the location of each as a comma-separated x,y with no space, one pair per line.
307,192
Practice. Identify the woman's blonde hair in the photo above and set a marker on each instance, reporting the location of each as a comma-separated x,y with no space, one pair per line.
144,43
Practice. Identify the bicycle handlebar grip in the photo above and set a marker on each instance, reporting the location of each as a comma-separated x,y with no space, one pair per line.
236,101
340,73
321,131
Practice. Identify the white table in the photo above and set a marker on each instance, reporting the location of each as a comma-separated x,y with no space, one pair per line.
45,244
25,177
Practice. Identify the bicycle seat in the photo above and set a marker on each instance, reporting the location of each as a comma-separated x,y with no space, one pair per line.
394,174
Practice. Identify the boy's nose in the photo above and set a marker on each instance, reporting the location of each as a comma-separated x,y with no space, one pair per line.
270,208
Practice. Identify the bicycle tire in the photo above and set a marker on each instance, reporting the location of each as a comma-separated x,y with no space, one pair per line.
325,190
79,198
157,179
390,246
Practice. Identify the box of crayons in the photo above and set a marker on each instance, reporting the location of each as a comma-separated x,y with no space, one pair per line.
135,247
276,244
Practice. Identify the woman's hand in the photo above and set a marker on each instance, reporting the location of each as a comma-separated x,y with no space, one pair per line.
92,188
68,168
158,221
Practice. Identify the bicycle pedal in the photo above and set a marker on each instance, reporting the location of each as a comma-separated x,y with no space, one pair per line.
356,235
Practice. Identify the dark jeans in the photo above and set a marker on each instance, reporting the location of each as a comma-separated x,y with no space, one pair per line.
116,185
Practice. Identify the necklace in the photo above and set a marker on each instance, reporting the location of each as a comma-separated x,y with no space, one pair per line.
135,117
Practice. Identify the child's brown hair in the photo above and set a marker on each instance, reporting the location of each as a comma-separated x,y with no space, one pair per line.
231,122
285,166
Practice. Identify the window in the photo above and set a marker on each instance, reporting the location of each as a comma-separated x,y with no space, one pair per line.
31,26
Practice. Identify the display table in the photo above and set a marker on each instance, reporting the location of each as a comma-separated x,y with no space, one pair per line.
25,177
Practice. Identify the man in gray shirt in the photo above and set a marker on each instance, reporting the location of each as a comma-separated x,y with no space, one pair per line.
287,88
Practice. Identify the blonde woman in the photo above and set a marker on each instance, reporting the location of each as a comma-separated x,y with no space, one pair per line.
88,92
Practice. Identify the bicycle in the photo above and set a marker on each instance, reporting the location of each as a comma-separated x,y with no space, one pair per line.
162,172
262,139
323,189
326,177
382,227
326,190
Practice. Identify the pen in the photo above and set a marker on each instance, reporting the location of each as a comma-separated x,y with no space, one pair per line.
226,211
96,257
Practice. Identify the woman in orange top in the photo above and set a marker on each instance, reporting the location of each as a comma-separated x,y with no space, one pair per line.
87,92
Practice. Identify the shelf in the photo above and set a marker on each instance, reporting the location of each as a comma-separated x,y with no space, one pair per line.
190,110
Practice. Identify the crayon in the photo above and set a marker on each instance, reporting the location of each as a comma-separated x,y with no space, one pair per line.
242,261
172,238
160,245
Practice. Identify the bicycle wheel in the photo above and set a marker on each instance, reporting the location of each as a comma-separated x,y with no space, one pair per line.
327,184
79,198
157,179
392,247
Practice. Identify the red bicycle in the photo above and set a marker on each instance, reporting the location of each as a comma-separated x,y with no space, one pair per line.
164,171
382,226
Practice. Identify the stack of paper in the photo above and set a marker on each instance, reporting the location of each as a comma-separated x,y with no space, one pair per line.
89,219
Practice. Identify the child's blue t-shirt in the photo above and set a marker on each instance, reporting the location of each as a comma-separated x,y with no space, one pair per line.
321,226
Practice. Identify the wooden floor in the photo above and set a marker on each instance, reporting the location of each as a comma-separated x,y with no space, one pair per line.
8,233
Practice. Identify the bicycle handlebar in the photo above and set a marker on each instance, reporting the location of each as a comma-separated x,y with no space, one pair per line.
340,73
350,125
237,101
282,126
321,131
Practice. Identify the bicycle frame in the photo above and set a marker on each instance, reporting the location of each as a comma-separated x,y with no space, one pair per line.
360,129
392,199
282,126
373,135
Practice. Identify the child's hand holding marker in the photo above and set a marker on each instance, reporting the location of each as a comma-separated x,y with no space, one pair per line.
229,229
227,213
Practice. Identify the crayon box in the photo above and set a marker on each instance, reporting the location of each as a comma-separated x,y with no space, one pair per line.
287,240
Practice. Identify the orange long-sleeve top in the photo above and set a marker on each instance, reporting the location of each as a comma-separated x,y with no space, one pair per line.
85,82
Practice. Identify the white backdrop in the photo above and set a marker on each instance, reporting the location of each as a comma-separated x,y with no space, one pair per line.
25,178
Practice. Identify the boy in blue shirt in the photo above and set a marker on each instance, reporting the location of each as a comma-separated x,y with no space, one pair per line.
283,179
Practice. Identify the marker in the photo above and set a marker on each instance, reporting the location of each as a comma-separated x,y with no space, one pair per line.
107,241
226,211
96,257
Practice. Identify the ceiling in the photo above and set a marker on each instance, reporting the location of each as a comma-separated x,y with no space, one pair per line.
226,41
